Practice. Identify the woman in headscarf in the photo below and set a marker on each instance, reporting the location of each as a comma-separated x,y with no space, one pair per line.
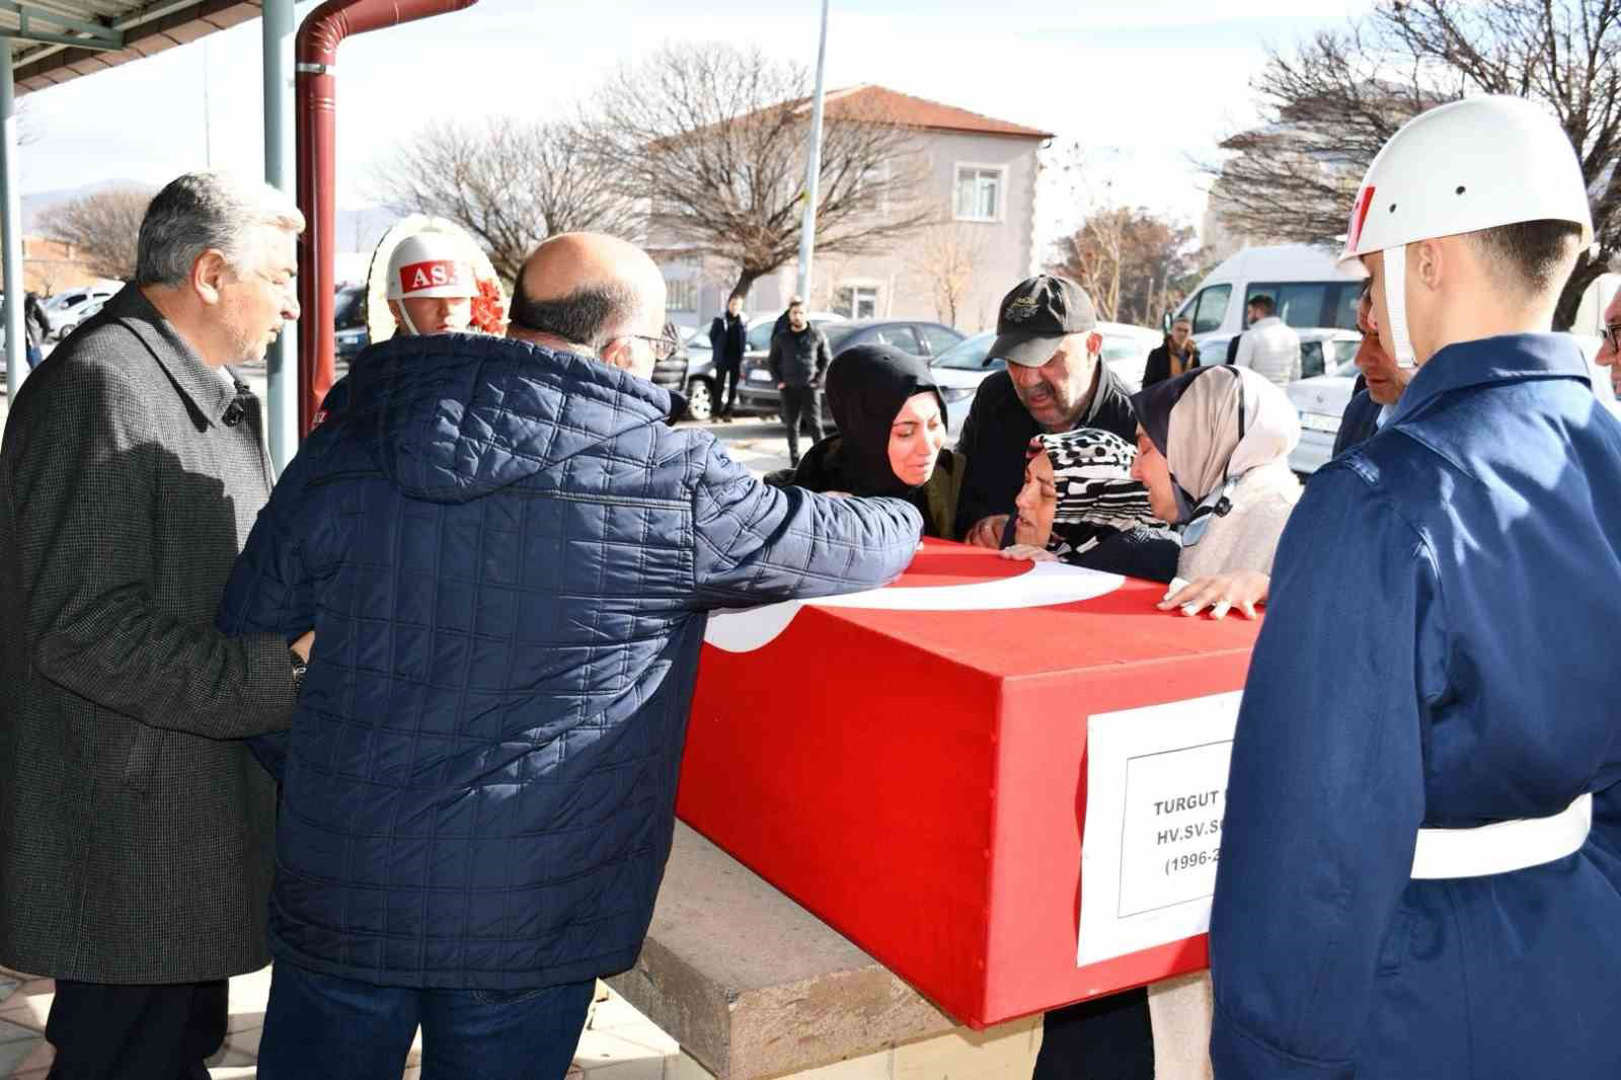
891,437
1213,450
1080,504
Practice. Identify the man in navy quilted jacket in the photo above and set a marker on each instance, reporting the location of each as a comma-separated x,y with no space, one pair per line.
508,557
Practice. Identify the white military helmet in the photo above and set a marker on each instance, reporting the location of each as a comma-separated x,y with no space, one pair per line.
431,264
1461,167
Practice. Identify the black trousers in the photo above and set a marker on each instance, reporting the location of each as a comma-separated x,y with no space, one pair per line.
1107,1038
164,1032
801,405
725,388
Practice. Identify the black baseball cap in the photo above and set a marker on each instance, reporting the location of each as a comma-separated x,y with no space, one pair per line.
1036,315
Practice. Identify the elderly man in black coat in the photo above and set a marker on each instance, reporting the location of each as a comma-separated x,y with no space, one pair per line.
135,827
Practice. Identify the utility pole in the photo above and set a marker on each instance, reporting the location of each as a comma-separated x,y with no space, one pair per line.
813,170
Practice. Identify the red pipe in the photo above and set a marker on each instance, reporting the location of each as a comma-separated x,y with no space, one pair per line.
316,87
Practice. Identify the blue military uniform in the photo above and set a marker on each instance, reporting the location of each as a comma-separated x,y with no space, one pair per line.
1439,652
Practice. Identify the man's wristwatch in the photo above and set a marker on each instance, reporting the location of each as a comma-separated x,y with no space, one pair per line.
300,666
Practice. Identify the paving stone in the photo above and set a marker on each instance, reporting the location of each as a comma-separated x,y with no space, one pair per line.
12,1032
29,1004
869,1067
1000,1053
685,1067
640,1069
14,1052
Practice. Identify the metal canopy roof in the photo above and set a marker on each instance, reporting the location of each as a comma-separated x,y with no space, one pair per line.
54,41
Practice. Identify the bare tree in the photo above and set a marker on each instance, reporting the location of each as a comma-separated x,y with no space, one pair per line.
103,226
945,258
714,138
1132,263
510,183
1332,103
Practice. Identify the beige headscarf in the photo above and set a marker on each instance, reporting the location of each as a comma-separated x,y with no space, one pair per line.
1213,425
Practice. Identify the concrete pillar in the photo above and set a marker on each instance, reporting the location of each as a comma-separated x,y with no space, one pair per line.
11,226
281,361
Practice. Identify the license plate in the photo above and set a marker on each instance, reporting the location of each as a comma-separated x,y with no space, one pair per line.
759,375
1319,422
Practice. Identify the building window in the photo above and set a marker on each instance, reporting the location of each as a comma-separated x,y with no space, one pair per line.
979,192
682,294
871,189
856,302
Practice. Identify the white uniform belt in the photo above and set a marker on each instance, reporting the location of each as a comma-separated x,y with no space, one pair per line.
1503,846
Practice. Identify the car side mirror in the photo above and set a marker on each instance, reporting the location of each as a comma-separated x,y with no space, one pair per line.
1165,323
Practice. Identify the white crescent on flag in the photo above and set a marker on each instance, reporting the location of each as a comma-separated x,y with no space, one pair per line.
1043,585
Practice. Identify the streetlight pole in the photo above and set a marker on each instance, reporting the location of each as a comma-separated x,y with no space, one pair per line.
813,170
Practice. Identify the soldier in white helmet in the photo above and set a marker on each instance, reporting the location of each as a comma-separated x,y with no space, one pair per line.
1420,870
431,284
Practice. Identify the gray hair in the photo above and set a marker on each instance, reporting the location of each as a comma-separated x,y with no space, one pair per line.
204,211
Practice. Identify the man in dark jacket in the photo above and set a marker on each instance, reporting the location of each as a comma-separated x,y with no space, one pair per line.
510,557
135,827
1177,356
1377,389
36,327
728,337
1055,381
798,361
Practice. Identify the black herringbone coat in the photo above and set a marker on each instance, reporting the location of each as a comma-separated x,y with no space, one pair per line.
135,830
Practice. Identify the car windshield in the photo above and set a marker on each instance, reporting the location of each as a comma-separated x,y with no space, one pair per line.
837,336
347,308
1126,348
967,355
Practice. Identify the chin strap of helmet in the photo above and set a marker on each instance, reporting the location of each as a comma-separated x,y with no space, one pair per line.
1396,304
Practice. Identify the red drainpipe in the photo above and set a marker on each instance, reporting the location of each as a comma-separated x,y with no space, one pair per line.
317,52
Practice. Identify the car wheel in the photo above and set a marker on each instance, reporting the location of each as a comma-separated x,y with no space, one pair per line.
700,400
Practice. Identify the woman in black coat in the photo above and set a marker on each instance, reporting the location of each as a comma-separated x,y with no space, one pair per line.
1177,356
891,437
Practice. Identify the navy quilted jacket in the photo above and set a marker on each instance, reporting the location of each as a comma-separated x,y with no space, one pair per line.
508,557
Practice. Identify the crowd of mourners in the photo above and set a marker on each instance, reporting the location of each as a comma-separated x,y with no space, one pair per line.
409,718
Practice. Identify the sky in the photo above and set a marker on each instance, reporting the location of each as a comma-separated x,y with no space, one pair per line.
1147,88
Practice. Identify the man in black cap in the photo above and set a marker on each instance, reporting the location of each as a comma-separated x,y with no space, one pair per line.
1054,382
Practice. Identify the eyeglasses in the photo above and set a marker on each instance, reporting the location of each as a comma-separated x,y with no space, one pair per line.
663,347
1612,334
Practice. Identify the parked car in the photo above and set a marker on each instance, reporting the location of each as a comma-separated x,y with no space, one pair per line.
699,360
66,310
1322,399
349,321
757,390
960,370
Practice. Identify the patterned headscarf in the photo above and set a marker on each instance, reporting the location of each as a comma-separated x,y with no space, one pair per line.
1096,495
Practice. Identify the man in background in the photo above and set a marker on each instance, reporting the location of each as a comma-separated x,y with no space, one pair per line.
1270,345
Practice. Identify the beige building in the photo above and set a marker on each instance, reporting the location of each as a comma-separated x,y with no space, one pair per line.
978,182
53,266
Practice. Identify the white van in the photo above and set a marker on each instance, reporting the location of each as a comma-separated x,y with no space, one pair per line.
1307,283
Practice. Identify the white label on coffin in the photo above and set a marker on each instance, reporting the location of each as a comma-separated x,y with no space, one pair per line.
1156,791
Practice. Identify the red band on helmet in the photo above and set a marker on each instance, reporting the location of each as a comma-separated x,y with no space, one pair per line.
431,274
1359,215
